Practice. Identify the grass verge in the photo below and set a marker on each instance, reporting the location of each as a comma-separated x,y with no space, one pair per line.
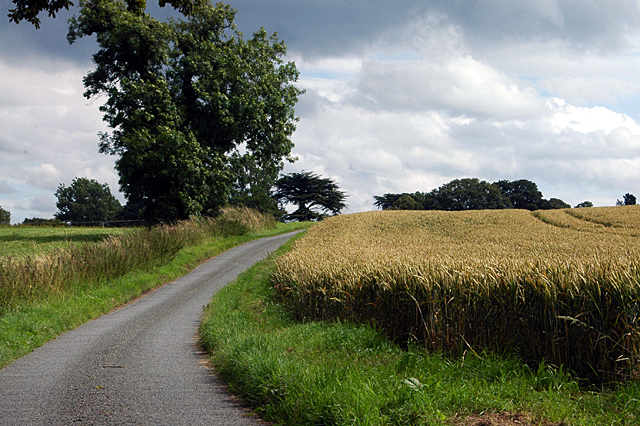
30,325
321,373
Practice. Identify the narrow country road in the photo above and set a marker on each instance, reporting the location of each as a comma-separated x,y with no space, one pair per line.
137,365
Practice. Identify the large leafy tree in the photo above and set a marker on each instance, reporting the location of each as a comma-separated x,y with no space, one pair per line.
252,186
314,195
187,100
522,193
29,10
470,194
86,200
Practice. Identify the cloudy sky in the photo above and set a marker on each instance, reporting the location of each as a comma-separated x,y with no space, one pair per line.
401,96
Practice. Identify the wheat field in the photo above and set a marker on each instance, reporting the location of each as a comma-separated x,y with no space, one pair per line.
560,286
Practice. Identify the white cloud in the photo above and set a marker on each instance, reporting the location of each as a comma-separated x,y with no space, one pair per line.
401,96
49,133
588,120
462,85
391,134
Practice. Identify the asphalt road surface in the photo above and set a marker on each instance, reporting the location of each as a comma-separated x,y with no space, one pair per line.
137,365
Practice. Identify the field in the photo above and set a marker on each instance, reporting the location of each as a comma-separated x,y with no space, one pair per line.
23,241
38,263
71,275
559,286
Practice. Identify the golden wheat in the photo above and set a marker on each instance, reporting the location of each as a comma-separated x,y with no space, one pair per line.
501,280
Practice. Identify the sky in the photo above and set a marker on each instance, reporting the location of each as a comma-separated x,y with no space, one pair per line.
401,96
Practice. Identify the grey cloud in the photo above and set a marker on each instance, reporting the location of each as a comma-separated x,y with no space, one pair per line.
43,205
328,28
25,44
592,23
336,28
5,188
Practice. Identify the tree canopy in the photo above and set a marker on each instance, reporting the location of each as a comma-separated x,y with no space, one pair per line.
472,194
29,10
629,199
86,200
554,203
315,196
523,194
5,217
406,202
584,204
191,103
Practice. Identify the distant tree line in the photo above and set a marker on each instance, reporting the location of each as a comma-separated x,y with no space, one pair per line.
473,194
86,202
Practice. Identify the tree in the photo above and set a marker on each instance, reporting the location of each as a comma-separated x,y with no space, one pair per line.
186,101
522,193
315,196
387,201
30,9
584,204
86,200
5,217
554,203
629,199
39,221
252,186
406,202
470,194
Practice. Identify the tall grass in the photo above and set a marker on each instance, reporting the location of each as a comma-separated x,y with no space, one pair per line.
24,280
470,281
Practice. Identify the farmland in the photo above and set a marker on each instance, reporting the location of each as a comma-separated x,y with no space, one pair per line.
71,275
50,261
560,286
23,241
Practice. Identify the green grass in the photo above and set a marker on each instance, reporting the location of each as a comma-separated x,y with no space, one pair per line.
319,373
30,325
22,241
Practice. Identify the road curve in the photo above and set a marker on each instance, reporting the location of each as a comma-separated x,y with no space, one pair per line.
137,365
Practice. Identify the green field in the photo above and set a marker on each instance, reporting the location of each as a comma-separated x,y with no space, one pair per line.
23,241
54,279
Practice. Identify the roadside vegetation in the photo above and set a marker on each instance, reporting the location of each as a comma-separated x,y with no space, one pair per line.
341,373
44,295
